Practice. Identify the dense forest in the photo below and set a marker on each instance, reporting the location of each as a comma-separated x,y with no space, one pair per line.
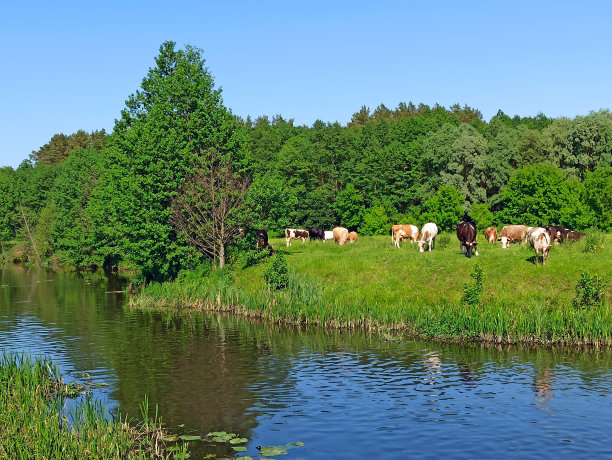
180,174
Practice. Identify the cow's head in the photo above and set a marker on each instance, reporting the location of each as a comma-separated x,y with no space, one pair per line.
504,241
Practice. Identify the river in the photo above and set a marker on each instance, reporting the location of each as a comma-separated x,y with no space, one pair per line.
343,394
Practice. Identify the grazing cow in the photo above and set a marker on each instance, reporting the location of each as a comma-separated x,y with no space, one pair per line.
329,235
428,235
540,241
296,233
511,233
316,233
352,237
341,235
557,233
466,233
262,238
573,236
401,232
491,234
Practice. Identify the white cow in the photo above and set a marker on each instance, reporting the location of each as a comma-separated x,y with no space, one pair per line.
428,235
540,241
329,235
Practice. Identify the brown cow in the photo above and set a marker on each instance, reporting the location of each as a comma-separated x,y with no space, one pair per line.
511,233
401,232
341,235
491,234
573,236
466,234
352,237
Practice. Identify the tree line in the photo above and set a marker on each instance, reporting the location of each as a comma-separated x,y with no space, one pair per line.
180,176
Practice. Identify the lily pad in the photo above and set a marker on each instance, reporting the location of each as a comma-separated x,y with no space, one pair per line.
272,450
297,444
239,448
246,457
170,438
187,437
238,440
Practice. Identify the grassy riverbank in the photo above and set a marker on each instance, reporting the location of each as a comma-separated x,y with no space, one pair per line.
34,422
371,284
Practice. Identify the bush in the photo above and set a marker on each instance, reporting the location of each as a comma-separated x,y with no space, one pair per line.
594,241
276,275
472,293
590,291
253,256
442,240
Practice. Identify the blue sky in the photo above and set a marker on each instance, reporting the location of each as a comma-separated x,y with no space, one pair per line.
70,65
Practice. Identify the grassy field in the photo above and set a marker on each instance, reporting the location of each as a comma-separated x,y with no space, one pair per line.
375,285
36,424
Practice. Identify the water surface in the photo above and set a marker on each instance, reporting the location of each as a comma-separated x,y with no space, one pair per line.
345,395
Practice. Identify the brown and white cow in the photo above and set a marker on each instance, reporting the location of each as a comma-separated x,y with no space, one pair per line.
352,237
511,233
573,236
341,235
540,241
404,232
428,235
491,234
466,234
557,233
295,233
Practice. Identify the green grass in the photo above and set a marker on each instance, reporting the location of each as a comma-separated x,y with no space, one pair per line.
34,422
371,284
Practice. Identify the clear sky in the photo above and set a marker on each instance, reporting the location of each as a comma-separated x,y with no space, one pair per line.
70,65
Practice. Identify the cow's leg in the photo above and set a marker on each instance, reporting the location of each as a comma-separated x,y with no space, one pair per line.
288,241
536,252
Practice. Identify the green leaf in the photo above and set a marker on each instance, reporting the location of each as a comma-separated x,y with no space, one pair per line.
239,448
273,450
238,440
187,437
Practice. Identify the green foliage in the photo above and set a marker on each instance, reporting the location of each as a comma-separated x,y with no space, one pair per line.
590,291
598,191
350,207
444,209
61,146
472,292
482,216
376,221
271,202
539,195
276,275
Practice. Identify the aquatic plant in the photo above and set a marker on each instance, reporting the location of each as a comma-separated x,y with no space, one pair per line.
590,291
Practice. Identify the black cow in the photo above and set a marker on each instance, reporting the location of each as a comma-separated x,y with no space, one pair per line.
262,238
466,233
316,233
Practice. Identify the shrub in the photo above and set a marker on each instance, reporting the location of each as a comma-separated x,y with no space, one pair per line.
590,291
253,256
594,241
276,275
442,240
472,293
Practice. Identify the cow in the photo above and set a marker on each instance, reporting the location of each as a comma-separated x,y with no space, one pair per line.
490,234
573,236
262,238
540,241
341,235
401,232
428,235
329,235
352,237
511,233
466,233
557,233
316,233
296,233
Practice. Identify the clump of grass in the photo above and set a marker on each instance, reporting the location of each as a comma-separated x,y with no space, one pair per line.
442,241
590,291
472,292
35,424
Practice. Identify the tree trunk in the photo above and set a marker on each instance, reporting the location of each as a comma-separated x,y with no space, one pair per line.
221,254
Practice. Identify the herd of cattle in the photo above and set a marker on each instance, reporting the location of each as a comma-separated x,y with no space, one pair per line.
540,238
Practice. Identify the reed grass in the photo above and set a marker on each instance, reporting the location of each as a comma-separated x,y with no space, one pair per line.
34,421
372,285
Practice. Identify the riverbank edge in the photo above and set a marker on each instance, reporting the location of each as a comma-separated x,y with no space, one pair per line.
443,322
36,423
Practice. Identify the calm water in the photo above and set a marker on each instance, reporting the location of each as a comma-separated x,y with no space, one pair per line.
345,395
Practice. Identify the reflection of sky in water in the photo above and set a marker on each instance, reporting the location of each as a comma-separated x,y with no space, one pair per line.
372,408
